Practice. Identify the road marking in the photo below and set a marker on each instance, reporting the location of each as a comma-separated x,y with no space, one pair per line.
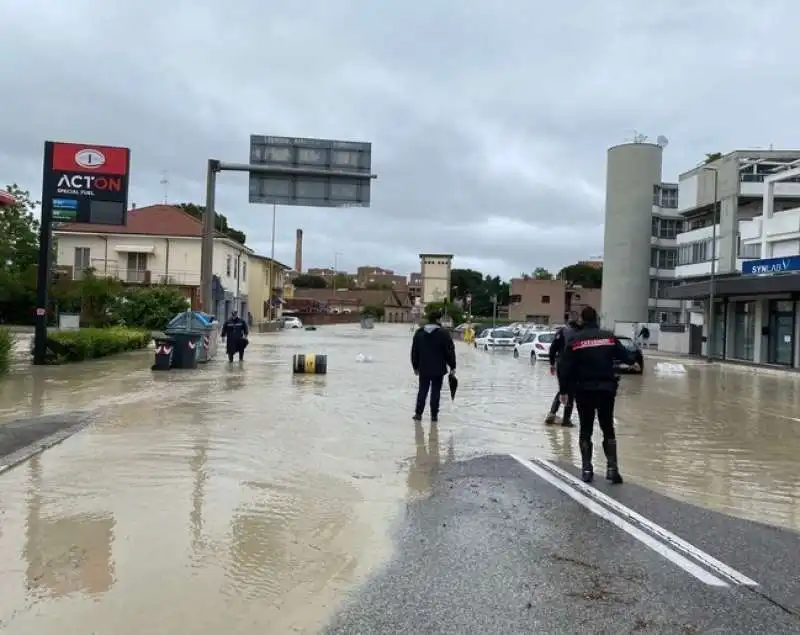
646,539
625,513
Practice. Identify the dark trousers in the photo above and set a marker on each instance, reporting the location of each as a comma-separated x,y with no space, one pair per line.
567,407
593,403
432,385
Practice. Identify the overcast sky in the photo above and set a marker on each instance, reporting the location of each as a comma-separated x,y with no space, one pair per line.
489,119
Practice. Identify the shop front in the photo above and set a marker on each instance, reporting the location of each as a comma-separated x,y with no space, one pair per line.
756,318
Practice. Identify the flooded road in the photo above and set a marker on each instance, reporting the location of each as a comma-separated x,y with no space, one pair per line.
244,499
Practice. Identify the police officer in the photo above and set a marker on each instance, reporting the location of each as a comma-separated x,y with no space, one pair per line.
563,335
586,369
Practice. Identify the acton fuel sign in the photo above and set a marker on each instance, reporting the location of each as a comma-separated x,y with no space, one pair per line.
85,183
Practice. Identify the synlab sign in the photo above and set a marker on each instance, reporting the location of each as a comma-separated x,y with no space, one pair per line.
771,265
85,183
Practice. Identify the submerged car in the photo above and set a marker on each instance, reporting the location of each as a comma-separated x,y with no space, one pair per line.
495,339
535,345
634,348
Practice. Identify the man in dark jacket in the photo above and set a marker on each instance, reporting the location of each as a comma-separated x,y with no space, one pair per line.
235,331
563,335
432,354
586,370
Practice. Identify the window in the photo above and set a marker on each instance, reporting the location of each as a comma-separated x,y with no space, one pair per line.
228,263
82,261
244,271
749,252
665,196
545,299
663,258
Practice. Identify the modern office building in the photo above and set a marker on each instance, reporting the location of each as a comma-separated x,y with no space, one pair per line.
639,247
743,210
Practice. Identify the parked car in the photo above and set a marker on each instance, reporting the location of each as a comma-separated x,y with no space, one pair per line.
632,346
291,322
535,345
494,339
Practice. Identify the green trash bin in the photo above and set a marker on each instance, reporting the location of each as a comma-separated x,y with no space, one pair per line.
205,327
186,349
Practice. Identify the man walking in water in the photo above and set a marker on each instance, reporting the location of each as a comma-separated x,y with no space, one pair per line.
235,331
432,354
563,336
586,370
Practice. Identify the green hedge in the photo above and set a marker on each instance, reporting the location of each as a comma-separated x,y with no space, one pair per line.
6,346
77,346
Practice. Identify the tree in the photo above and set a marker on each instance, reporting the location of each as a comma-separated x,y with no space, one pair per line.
149,308
453,311
582,275
377,312
19,232
540,273
342,281
378,286
464,282
98,298
220,221
305,281
712,156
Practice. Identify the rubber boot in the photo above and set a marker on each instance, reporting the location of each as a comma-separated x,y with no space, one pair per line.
587,470
612,467
566,419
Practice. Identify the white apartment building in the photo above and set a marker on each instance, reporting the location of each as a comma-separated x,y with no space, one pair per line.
756,314
160,244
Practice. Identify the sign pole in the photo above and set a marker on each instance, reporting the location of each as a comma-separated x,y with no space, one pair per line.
43,266
207,247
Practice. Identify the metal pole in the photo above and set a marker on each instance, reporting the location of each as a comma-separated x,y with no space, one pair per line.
43,269
270,308
207,249
712,283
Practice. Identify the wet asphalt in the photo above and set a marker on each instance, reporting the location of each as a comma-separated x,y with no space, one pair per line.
266,502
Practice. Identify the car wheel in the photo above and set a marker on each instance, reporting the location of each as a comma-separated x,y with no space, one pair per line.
516,353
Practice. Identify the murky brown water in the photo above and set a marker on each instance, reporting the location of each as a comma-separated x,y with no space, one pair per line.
246,500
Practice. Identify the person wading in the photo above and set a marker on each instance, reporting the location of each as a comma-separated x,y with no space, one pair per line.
432,354
563,335
235,331
586,370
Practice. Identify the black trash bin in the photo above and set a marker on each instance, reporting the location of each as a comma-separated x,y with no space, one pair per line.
165,348
185,353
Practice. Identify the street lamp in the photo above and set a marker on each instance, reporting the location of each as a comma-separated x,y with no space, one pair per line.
712,283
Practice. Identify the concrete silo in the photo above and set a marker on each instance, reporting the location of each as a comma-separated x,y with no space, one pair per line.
632,171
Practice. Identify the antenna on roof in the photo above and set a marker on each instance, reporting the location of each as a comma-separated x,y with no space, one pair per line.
662,141
165,182
638,137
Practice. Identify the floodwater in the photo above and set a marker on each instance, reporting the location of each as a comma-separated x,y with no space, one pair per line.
242,499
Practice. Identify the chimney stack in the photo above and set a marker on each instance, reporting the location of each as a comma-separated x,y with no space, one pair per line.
298,253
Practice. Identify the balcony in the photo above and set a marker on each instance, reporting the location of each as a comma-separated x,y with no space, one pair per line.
139,276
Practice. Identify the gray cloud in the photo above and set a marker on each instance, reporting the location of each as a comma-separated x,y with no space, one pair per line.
489,121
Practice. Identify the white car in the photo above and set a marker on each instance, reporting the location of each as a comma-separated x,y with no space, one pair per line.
535,345
291,322
495,339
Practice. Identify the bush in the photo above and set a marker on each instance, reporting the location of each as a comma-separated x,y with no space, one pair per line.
150,308
376,312
6,346
77,346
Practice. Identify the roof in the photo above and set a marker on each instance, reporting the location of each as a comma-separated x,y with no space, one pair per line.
152,220
437,255
268,259
7,199
363,297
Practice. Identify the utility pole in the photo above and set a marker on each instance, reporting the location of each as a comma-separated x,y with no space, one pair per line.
712,283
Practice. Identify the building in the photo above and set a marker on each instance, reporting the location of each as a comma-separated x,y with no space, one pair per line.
160,244
549,301
396,304
415,285
435,270
374,277
594,263
743,211
6,199
639,244
265,288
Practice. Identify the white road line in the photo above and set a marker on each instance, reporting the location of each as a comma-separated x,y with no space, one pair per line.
665,535
646,539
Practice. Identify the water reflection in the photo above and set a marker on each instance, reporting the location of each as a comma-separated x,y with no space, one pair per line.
66,554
